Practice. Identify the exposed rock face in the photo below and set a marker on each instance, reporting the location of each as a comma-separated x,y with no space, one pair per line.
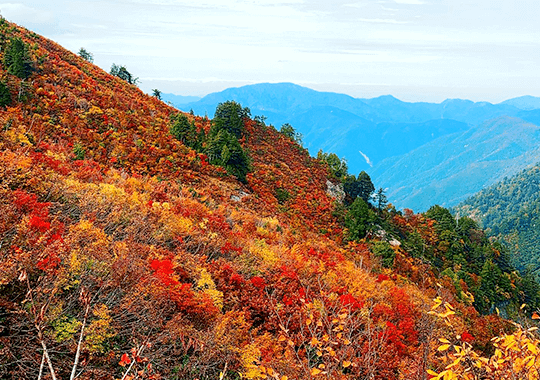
335,191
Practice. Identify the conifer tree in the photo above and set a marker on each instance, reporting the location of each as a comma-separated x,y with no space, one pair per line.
17,59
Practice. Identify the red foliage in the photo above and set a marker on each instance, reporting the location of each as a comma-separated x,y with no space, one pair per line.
467,337
258,282
163,269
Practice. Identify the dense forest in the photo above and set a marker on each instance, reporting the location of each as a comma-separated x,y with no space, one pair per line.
141,242
509,211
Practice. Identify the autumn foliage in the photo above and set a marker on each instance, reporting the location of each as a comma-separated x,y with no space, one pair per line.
126,254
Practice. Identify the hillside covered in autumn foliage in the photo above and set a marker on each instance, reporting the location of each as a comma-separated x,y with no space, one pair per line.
140,242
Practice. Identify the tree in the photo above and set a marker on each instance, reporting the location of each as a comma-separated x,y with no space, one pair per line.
5,95
223,149
17,59
381,199
186,131
156,93
86,55
359,219
230,116
360,186
337,166
290,132
123,73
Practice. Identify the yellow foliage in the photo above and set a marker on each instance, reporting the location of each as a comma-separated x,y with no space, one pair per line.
264,252
250,356
516,355
207,286
99,330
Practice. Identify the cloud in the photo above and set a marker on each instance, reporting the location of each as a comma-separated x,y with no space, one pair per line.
24,14
410,2
382,21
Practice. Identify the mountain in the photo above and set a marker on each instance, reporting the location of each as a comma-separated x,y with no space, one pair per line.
510,211
134,245
526,102
379,128
453,167
178,100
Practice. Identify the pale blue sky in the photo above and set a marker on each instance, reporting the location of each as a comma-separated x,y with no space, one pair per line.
424,50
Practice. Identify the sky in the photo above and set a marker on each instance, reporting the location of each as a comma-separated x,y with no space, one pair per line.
416,50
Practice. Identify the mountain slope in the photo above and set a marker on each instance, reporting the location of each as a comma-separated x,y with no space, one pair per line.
453,167
124,253
510,210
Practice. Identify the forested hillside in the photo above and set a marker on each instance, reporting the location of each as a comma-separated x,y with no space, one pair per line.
510,211
141,242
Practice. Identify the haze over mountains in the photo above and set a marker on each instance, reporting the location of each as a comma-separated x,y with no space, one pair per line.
453,148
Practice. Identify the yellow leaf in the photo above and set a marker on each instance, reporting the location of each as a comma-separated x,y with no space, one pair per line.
444,347
314,341
284,377
315,371
442,340
346,363
308,322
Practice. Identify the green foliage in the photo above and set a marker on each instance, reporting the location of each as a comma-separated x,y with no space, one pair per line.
380,199
223,149
185,131
123,73
385,251
359,219
156,93
230,116
65,328
360,186
510,211
445,220
282,195
86,55
79,151
337,166
5,95
17,59
288,131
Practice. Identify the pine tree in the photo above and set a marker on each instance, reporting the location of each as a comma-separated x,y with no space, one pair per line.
17,59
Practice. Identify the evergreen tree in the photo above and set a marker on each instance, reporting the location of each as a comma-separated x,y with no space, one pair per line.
5,95
381,199
337,166
359,219
86,55
288,131
230,116
123,73
17,59
358,187
223,149
156,93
